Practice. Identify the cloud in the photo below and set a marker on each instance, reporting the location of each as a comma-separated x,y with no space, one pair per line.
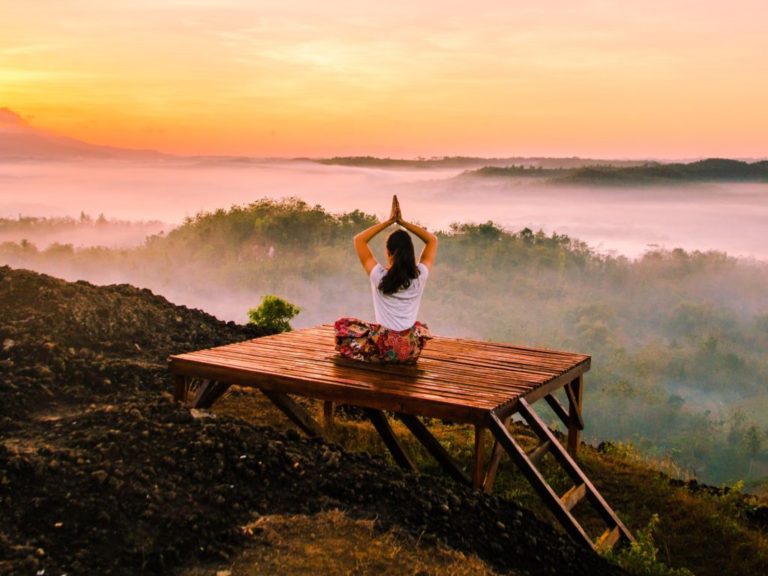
9,117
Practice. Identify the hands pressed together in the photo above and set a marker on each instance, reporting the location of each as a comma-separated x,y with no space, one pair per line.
395,215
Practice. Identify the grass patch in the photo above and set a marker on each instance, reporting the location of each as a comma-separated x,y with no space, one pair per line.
332,543
701,532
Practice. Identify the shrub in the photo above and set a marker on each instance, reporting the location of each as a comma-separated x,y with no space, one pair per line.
274,313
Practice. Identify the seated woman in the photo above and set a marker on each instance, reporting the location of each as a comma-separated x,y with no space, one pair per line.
396,336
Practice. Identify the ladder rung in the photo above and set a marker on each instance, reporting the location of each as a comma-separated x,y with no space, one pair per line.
608,539
573,496
537,453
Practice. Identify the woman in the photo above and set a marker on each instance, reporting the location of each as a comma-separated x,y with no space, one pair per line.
397,288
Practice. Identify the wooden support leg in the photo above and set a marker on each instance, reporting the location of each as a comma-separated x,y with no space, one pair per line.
297,414
477,464
328,409
209,392
576,474
575,391
493,465
552,500
434,447
382,426
180,388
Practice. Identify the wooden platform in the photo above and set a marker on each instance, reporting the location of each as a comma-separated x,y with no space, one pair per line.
466,381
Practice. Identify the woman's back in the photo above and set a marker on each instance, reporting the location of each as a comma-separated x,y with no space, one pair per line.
397,311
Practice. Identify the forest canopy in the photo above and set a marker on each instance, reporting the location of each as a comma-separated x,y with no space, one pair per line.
676,337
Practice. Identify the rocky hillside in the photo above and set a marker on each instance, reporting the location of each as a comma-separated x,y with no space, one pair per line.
101,473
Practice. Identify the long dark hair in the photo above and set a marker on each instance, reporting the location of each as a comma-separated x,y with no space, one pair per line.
403,270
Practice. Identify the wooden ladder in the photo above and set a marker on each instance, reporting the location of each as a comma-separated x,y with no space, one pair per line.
560,506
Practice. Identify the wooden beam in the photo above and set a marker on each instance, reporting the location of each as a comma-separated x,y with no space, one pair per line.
608,538
541,391
433,446
558,409
180,388
538,453
575,392
572,469
493,465
540,485
579,423
382,426
573,496
328,411
209,392
478,462
295,412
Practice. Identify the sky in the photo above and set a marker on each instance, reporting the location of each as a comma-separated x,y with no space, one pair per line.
672,79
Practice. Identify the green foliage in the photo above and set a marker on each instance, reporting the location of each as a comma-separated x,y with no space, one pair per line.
641,557
677,338
713,169
274,313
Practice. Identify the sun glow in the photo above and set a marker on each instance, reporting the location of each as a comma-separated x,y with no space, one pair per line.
293,78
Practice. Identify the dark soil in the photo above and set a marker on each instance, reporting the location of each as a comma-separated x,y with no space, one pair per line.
101,473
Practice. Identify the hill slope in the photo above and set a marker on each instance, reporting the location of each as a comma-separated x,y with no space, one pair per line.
21,141
100,472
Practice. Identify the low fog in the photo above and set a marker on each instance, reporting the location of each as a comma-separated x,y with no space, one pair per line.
729,217
677,336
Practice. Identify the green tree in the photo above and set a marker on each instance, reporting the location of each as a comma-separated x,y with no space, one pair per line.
274,313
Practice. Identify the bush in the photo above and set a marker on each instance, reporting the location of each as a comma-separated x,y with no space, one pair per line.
641,557
274,313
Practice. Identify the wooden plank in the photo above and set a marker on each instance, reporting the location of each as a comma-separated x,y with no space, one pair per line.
575,392
312,380
382,426
209,392
271,359
540,485
328,410
202,388
493,465
435,449
464,350
343,393
558,409
311,384
180,388
539,451
511,407
295,361
478,462
313,372
326,332
573,470
469,353
573,496
608,539
297,414
438,375
471,359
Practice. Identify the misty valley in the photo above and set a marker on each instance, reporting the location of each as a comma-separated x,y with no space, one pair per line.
677,337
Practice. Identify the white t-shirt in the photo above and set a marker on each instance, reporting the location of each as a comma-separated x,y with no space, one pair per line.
397,311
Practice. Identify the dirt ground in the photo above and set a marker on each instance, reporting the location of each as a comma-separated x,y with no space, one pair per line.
102,473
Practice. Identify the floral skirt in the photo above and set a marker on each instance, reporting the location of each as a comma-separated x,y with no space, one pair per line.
371,342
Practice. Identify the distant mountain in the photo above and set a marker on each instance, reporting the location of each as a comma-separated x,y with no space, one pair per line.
21,141
454,162
649,173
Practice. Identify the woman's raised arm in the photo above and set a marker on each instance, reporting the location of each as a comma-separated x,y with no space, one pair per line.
430,240
364,253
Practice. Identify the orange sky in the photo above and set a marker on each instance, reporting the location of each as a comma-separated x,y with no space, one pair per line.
672,79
